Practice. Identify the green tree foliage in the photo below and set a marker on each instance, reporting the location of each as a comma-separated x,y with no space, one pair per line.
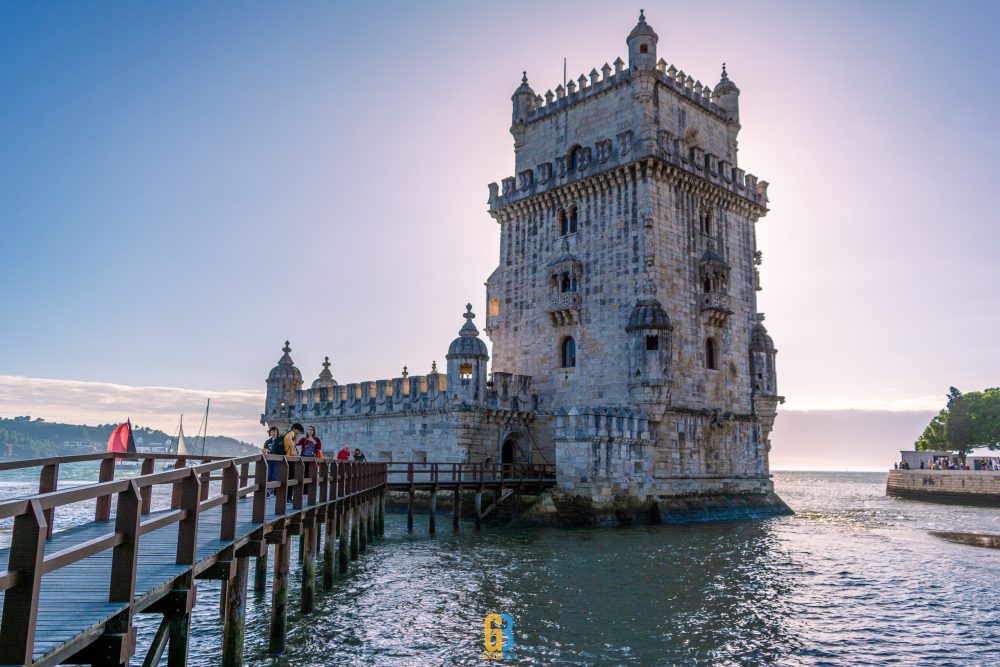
970,421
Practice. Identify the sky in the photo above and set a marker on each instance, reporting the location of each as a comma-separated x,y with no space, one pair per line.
183,186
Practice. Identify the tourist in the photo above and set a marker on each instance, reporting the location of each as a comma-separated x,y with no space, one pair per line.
291,448
344,454
921,465
272,445
895,466
359,456
310,445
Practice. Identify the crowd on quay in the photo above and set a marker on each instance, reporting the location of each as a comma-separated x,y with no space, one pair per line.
943,463
299,441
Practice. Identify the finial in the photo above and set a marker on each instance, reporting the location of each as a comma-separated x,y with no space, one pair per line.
406,373
469,315
524,77
642,16
725,77
326,363
434,367
287,348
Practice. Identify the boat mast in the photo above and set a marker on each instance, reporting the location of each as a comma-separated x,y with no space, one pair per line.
204,427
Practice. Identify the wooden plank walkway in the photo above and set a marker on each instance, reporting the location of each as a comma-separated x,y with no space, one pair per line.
73,601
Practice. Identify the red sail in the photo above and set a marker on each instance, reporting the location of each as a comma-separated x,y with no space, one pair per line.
120,439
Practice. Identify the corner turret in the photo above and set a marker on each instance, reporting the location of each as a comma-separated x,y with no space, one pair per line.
642,45
282,383
650,344
524,101
467,357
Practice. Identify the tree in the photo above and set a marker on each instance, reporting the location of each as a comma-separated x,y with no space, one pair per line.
970,421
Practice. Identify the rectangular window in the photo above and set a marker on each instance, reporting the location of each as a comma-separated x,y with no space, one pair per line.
652,343
494,307
465,371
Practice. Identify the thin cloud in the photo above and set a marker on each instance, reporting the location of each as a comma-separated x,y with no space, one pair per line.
235,413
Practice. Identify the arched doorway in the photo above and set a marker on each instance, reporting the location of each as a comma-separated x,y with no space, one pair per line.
510,454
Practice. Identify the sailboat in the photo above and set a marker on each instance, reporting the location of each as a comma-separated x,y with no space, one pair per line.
122,442
180,448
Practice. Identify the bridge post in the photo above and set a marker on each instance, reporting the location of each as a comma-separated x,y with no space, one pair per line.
409,501
103,510
381,512
456,508
260,572
236,614
343,512
308,565
355,532
362,525
331,521
479,509
372,518
279,598
433,519
148,468
20,602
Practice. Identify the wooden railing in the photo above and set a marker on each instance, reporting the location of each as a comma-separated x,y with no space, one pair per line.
310,482
468,474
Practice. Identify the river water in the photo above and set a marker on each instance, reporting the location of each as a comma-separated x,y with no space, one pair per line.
852,578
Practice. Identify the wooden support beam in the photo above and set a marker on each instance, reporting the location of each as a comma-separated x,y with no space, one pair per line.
223,594
479,509
102,511
409,511
279,598
361,513
48,482
343,512
125,556
433,513
260,572
456,508
159,643
331,522
355,533
308,568
20,602
180,626
381,512
236,614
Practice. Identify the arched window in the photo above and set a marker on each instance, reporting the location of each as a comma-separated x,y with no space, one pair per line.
707,284
563,223
706,222
572,220
711,354
569,352
567,284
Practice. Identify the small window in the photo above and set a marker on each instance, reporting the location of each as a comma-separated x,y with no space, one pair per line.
706,222
563,223
711,361
568,284
465,371
652,343
493,308
707,285
572,220
643,48
569,352
574,158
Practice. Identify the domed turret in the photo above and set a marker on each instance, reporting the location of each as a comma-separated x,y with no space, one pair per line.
762,366
642,45
727,96
523,99
467,357
650,339
325,379
282,383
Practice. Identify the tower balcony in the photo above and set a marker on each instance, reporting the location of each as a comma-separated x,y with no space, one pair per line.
716,306
564,308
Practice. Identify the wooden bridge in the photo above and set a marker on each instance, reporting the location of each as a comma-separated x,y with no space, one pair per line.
70,596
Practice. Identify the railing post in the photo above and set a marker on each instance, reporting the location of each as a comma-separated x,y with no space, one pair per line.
187,528
281,493
260,493
146,492
300,476
230,489
206,484
175,495
20,602
107,473
125,556
48,482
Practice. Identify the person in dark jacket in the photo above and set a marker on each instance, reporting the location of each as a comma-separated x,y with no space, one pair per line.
358,454
273,445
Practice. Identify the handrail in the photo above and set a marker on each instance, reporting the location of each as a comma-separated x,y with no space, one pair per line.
316,482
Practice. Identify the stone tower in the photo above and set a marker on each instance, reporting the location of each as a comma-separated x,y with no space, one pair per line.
627,280
283,382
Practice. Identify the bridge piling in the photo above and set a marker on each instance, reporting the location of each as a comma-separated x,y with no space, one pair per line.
344,511
479,509
331,521
279,597
409,512
355,533
177,648
308,567
236,598
456,508
432,517
260,572
362,526
372,519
